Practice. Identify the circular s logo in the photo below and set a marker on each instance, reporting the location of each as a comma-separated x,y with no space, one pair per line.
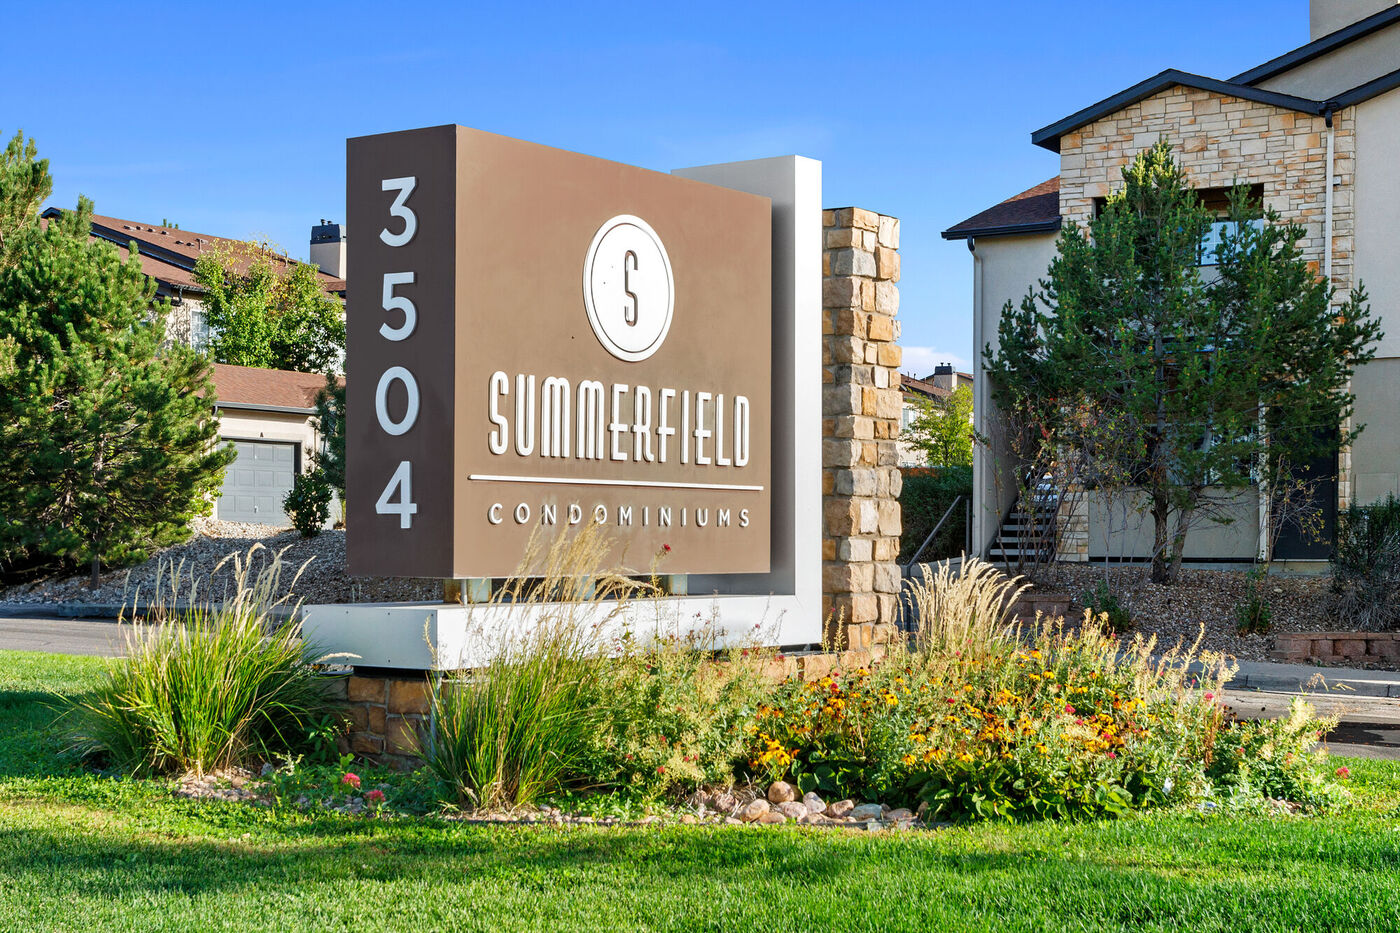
628,289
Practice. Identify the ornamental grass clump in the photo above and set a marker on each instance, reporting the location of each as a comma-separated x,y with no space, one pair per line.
206,686
984,718
520,726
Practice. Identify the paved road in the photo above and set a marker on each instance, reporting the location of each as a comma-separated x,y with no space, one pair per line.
1369,727
62,636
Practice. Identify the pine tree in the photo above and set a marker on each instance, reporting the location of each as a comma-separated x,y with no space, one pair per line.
108,438
330,424
1206,376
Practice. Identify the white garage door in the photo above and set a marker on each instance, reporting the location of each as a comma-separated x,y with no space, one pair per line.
256,483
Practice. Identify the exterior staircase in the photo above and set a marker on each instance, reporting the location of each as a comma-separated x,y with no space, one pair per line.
1029,534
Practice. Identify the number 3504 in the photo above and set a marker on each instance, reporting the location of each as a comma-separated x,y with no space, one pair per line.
397,497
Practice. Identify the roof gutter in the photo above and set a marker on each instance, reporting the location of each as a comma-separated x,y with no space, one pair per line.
276,409
1043,226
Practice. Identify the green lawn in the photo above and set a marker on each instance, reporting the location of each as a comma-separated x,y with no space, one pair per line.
81,852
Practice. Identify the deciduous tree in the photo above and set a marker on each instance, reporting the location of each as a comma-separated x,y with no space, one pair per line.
942,429
268,311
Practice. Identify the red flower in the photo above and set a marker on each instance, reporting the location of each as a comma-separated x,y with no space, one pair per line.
352,779
666,548
1069,710
375,797
660,769
1344,772
1113,754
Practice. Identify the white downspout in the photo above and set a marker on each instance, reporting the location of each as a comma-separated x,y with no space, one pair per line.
979,409
1327,210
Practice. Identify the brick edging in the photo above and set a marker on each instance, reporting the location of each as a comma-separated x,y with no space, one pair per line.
1336,647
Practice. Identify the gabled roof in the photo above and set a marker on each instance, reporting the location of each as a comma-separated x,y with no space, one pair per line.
913,385
1035,210
1049,136
275,389
1319,47
168,254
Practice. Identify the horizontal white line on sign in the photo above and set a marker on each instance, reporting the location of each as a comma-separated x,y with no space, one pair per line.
563,480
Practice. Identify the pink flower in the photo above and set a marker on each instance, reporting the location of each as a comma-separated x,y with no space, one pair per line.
1113,754
374,797
1069,710
1210,696
1344,772
352,779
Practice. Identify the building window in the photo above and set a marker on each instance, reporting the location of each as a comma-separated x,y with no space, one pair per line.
1210,243
199,327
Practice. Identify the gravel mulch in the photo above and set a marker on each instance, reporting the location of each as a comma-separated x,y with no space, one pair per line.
323,581
1202,597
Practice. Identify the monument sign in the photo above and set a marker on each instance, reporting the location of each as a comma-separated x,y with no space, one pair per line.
539,339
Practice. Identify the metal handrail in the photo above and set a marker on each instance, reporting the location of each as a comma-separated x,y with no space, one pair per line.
935,531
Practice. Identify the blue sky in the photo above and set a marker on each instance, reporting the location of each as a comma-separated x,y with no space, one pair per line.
230,119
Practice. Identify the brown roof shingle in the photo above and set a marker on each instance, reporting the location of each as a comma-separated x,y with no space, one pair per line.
1033,210
278,388
168,254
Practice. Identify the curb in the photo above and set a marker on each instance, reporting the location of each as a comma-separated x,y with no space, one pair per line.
106,612
1340,680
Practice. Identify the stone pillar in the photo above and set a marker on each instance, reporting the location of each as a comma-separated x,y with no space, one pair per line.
861,405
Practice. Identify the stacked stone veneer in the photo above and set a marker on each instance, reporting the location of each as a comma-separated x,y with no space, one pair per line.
388,715
861,405
1222,141
1338,647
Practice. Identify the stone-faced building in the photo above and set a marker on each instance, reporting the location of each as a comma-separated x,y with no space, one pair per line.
1315,132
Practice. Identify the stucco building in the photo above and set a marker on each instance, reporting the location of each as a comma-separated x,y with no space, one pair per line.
1315,132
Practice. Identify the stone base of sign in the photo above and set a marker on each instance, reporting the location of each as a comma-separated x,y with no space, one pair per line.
388,715
1338,647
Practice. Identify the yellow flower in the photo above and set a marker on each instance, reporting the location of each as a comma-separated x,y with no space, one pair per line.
907,760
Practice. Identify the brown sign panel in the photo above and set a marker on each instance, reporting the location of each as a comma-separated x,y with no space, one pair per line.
539,339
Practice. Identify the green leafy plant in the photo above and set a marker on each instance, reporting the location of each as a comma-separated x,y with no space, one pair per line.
1107,609
942,429
674,716
1126,321
308,503
1366,564
206,687
1275,759
1253,615
925,495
